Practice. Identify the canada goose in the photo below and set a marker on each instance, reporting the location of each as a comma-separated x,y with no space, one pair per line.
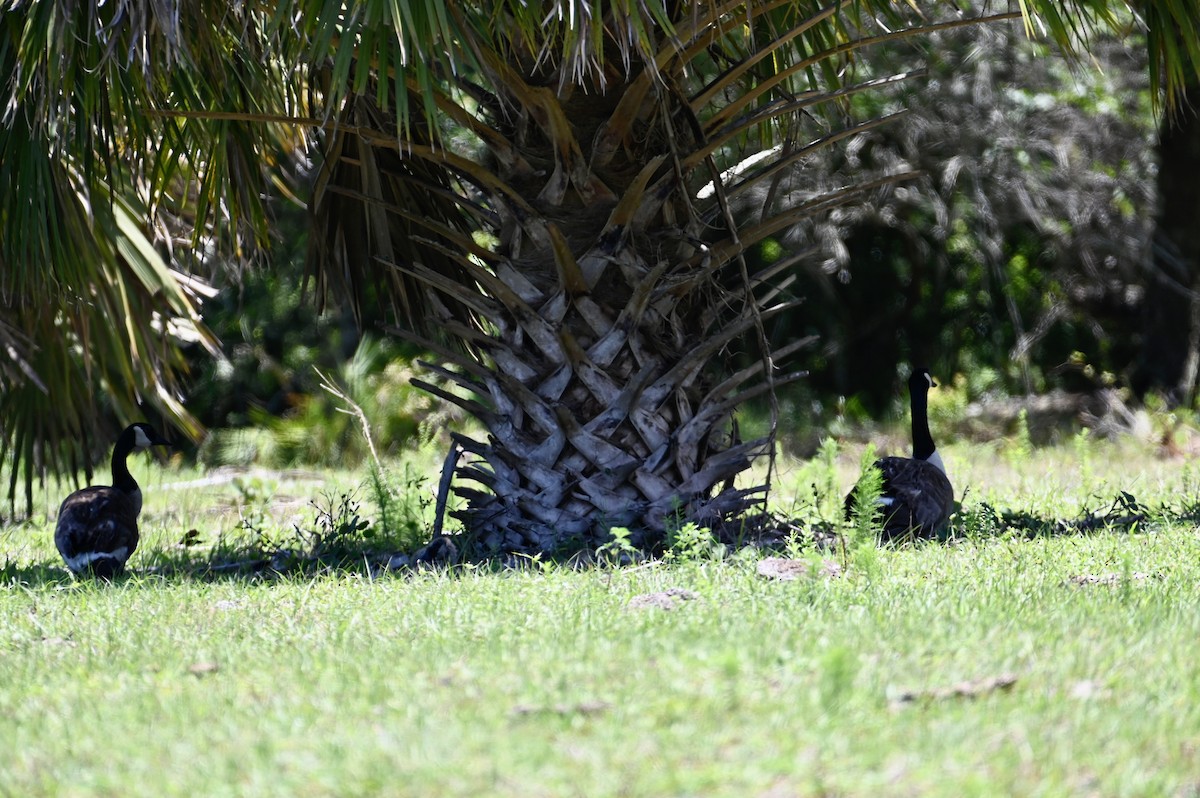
917,496
97,527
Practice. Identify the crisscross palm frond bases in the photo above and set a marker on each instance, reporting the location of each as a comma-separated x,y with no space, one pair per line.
579,240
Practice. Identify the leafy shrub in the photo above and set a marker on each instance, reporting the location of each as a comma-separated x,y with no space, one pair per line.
322,430
271,341
1014,259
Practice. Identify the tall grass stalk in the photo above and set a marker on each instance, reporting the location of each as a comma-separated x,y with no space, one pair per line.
379,483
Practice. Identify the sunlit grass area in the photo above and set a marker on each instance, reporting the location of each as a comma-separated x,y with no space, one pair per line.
997,664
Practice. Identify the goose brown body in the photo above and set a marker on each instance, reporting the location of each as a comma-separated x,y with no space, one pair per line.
97,530
97,527
917,497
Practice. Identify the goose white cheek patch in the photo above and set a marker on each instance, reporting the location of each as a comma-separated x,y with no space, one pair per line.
140,440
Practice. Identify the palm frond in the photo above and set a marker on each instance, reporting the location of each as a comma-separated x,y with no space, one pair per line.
1170,27
92,314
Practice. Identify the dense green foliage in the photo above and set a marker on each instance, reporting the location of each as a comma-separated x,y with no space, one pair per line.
1016,260
1019,257
266,395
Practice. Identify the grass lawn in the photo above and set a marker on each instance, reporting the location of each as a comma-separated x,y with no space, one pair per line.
998,664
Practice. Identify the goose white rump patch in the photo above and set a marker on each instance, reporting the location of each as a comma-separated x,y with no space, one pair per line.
80,562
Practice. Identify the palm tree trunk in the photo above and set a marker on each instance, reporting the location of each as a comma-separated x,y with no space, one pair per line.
594,340
596,383
1171,337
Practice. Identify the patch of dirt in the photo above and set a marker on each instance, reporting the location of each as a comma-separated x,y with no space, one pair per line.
200,669
669,599
1087,690
58,641
788,570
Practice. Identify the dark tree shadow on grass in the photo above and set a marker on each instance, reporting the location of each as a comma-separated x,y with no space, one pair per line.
339,540
343,549
246,565
40,574
1121,513
979,521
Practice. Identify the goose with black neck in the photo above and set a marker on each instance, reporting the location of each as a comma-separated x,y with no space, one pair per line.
917,497
97,529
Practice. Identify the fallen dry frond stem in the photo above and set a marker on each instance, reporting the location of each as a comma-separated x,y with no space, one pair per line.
974,688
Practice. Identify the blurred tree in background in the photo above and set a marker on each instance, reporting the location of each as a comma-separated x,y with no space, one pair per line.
1170,351
1019,258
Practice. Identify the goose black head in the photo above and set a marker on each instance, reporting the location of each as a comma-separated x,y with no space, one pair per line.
137,437
920,381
